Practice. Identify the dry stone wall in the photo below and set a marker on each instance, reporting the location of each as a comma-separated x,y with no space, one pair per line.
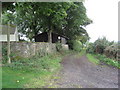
28,49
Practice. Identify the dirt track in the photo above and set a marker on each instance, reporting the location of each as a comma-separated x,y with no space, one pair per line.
78,72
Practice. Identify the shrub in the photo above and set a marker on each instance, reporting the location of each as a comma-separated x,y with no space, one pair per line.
111,51
90,48
58,46
100,44
77,45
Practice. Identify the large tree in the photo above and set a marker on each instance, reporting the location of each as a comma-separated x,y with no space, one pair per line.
35,17
76,22
64,18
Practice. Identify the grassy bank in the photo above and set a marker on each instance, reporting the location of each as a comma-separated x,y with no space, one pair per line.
92,59
108,61
32,72
97,58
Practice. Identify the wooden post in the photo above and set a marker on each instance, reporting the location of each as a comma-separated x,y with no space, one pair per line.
0,32
0,46
8,43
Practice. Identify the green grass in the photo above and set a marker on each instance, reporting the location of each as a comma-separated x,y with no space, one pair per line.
14,78
19,79
97,58
30,73
0,77
108,61
92,59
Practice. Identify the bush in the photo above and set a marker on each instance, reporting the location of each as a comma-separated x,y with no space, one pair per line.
59,46
99,46
111,51
77,45
90,48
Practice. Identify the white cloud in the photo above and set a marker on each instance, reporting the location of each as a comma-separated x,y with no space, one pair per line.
104,14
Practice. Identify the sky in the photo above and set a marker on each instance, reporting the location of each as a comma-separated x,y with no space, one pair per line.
104,14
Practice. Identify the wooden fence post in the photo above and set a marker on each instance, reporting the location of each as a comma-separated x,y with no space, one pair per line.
8,43
0,46
0,32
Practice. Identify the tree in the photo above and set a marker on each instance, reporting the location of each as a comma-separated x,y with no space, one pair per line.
100,44
76,21
35,17
7,6
65,18
90,48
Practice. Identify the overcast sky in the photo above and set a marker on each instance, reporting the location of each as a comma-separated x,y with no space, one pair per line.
104,14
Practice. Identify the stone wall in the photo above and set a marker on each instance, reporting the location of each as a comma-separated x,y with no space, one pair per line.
28,49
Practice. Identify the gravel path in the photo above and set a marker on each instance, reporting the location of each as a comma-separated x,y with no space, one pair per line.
78,72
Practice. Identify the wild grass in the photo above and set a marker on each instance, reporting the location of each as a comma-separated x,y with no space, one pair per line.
0,77
108,61
92,59
97,58
32,72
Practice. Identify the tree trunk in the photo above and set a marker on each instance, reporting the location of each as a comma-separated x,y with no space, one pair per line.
36,33
8,42
50,30
50,36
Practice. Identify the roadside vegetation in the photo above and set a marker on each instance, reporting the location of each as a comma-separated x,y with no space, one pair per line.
92,59
37,71
107,60
65,18
104,51
33,72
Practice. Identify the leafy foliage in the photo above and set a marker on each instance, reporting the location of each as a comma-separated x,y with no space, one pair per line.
67,18
103,46
76,45
59,46
76,20
91,48
111,51
99,45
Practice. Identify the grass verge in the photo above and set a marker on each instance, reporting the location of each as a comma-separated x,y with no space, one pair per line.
92,59
32,72
108,61
97,58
